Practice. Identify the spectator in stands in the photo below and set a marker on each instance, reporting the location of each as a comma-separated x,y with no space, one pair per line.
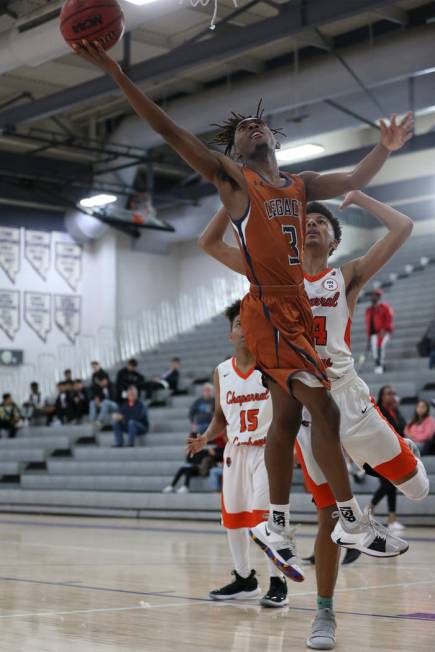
10,416
67,376
98,374
389,406
128,376
61,412
34,407
201,411
421,428
168,380
103,404
379,324
430,337
131,418
78,402
194,466
217,453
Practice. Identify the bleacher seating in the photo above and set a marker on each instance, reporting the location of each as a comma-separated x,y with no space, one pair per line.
70,469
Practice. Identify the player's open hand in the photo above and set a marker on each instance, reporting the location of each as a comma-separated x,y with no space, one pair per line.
350,198
397,134
96,54
195,444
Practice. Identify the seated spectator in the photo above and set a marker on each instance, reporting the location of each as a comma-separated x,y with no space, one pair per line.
132,418
103,404
61,410
421,428
201,410
10,416
168,380
195,465
97,374
127,377
430,338
78,402
217,454
34,407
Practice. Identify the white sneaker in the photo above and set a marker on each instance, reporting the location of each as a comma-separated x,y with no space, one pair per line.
396,526
183,489
323,631
379,369
369,537
280,548
168,490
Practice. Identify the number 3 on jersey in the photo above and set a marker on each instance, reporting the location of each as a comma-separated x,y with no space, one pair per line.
248,420
289,229
319,331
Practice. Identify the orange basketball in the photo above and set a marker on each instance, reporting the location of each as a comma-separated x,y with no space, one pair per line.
93,20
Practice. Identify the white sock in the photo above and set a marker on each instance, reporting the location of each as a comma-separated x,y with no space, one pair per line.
273,570
279,517
238,540
350,512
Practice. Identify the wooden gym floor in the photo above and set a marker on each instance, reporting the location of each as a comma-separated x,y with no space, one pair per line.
100,585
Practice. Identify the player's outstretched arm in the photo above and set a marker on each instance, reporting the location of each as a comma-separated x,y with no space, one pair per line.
217,424
214,166
359,271
327,186
212,242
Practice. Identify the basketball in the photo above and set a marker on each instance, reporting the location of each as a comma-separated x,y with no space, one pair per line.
91,20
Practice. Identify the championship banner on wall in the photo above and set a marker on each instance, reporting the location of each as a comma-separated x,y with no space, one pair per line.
37,313
68,263
68,315
10,255
37,251
10,312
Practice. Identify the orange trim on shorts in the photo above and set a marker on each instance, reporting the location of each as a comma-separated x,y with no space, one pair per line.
321,493
347,338
318,276
236,520
242,375
403,464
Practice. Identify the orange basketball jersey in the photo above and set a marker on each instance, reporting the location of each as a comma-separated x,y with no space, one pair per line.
271,233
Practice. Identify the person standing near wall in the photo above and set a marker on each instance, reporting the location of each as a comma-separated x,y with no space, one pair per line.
379,323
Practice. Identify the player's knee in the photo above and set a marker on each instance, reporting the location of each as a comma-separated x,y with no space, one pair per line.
417,487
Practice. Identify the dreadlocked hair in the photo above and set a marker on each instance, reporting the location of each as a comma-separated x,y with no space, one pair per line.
227,130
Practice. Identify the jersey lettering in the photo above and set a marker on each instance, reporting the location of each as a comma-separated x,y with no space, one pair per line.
319,331
249,420
289,229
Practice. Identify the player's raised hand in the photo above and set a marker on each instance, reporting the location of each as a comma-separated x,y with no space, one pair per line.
195,444
95,53
350,198
395,135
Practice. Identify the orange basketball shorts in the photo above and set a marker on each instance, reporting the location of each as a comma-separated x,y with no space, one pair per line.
277,324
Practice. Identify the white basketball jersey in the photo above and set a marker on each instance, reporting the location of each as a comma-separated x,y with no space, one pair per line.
332,322
245,402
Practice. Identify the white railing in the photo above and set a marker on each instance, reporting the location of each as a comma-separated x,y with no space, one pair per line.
152,327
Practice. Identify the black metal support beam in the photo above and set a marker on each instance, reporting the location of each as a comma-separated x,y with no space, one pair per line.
24,165
218,47
353,114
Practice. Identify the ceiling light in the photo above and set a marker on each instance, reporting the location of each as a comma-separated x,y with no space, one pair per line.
140,2
298,153
97,200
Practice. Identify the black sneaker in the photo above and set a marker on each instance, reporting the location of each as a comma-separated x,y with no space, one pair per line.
309,561
276,595
352,554
240,589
